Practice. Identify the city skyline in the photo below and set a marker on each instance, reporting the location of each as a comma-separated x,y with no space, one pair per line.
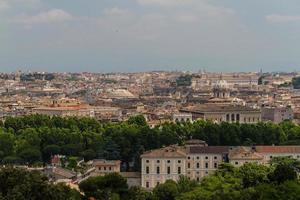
147,35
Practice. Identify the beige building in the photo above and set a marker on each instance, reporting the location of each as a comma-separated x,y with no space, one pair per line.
239,156
103,167
75,111
224,113
203,160
270,152
162,164
195,160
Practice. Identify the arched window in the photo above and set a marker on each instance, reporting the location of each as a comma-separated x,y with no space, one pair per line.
232,118
237,117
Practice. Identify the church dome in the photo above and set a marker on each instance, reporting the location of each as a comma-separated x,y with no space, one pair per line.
221,84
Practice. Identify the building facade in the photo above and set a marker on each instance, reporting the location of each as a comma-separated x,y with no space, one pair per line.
277,114
196,160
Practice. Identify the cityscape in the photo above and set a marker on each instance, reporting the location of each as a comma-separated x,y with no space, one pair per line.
148,129
149,100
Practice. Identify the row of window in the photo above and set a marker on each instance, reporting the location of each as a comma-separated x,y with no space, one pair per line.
158,170
236,117
206,165
206,157
104,168
168,161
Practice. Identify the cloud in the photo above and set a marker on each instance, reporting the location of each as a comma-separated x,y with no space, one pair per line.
194,8
116,12
165,3
10,4
4,5
51,16
282,18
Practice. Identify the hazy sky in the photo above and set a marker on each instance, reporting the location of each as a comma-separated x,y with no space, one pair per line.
140,35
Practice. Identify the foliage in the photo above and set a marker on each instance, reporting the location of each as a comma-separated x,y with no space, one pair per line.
296,82
18,184
166,191
104,187
36,138
184,80
248,182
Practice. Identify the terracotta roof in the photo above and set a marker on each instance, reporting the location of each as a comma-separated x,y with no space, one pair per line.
63,172
101,162
278,149
172,151
244,153
209,149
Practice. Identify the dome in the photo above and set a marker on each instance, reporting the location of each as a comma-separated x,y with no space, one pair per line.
221,84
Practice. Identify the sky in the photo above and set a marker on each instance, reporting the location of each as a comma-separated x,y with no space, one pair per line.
144,35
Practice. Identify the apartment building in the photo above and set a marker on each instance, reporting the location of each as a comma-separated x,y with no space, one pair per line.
277,114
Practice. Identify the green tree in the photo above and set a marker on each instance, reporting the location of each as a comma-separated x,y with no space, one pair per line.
137,120
166,191
296,82
284,169
105,187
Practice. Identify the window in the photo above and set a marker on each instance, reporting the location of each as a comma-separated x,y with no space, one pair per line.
198,179
206,157
179,170
157,183
158,161
189,157
168,161
197,157
179,161
215,165
236,163
189,165
99,168
147,170
237,117
104,168
169,170
206,165
147,161
157,170
215,157
147,184
227,118
198,165
232,118
109,168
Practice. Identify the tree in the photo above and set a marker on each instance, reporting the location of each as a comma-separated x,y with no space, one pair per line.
30,155
105,187
138,193
285,169
296,82
50,150
137,120
88,154
253,174
166,191
18,184
184,184
6,144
